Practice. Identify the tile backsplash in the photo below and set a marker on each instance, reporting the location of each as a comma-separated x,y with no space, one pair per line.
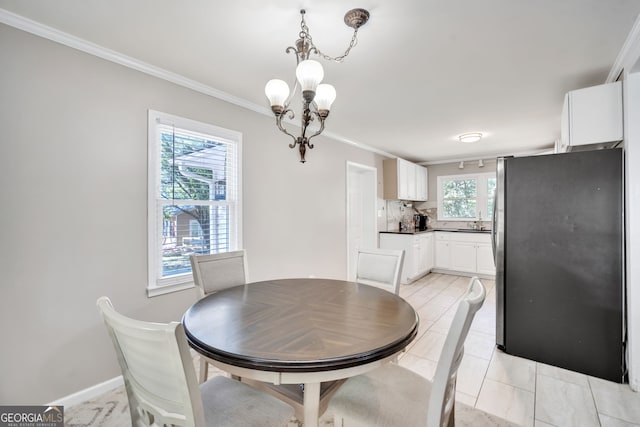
399,212
402,212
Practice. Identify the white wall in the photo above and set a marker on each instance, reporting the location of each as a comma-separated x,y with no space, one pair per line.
632,187
627,69
74,180
632,154
443,169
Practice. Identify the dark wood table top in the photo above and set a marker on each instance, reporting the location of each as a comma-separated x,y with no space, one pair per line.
300,325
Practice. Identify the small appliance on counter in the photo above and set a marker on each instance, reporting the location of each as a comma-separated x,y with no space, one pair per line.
421,221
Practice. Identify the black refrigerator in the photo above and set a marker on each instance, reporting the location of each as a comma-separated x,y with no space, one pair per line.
558,235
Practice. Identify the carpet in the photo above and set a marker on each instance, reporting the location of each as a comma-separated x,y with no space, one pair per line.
112,410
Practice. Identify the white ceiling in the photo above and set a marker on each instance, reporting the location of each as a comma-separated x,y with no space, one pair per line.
423,71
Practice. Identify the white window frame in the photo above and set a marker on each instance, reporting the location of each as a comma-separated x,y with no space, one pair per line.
482,196
156,284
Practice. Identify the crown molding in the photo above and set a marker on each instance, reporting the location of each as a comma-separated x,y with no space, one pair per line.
50,33
489,157
628,55
357,144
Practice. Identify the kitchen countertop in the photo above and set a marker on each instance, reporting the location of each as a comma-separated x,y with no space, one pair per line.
455,230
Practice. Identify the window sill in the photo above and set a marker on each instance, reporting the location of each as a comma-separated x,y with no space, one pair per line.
457,219
154,291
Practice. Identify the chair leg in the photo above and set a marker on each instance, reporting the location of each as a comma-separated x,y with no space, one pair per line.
452,422
204,370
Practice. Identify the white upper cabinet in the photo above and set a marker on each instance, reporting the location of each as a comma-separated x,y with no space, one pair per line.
422,179
404,180
591,115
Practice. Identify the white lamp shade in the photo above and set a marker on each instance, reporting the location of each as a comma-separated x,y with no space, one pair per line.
277,91
325,95
309,74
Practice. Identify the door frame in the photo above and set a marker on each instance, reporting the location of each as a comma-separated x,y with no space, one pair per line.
369,192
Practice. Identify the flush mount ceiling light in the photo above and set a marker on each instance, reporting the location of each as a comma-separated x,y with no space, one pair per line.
470,137
316,98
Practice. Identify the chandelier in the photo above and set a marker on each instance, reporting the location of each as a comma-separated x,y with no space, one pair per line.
316,98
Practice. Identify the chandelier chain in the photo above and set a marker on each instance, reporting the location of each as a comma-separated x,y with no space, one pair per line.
309,73
306,35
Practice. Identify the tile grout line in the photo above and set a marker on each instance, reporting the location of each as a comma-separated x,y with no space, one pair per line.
595,403
440,291
484,377
535,391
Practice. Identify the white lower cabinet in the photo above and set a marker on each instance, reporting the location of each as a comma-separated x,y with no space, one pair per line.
443,253
418,253
485,263
463,256
464,252
452,251
425,259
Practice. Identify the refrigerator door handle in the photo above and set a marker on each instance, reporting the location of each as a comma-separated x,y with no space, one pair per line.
498,234
494,227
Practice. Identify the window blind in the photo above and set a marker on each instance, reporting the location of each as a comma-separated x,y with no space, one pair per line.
196,192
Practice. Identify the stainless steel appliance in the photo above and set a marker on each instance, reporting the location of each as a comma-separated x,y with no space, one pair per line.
421,222
559,251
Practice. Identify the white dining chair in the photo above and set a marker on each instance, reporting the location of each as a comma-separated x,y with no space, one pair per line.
214,272
392,396
161,382
380,268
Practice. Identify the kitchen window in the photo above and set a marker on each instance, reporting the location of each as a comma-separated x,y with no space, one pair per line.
194,197
466,197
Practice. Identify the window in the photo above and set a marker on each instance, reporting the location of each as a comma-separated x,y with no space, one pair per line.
194,197
466,197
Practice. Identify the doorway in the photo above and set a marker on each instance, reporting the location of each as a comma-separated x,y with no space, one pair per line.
361,212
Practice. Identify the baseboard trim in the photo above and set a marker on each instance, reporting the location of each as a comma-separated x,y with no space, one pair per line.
88,393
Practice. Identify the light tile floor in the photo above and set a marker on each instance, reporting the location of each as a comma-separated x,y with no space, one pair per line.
522,391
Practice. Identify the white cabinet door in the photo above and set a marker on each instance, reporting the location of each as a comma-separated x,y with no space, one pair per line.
464,252
401,242
412,192
427,247
443,254
421,242
418,252
421,183
406,180
592,115
484,259
463,256
418,264
403,180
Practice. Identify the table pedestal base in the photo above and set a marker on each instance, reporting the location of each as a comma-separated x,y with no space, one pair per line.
294,395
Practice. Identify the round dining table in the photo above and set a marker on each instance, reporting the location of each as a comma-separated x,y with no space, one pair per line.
300,331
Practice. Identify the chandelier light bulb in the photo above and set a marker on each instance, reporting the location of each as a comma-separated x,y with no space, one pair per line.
309,74
325,95
316,98
277,91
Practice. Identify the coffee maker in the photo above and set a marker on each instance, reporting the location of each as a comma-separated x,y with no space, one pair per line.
421,222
